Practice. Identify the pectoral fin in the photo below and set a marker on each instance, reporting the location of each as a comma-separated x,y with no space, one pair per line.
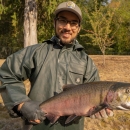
96,109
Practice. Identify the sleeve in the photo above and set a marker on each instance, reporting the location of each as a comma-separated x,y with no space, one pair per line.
91,73
13,72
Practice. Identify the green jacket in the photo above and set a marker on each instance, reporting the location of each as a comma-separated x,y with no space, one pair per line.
48,66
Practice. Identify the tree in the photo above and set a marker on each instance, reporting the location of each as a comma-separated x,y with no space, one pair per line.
45,18
121,21
2,8
30,23
12,19
100,33
11,27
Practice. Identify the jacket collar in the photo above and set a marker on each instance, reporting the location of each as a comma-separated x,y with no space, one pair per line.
75,44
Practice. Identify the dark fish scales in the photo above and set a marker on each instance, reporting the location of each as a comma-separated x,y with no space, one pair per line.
87,99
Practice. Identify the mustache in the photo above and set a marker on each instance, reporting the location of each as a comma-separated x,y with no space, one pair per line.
65,31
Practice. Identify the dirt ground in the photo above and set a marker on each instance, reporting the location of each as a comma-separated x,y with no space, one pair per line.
117,68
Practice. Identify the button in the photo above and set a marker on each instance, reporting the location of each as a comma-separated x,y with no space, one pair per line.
78,80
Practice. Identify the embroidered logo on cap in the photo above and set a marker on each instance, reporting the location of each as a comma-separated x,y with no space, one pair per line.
70,4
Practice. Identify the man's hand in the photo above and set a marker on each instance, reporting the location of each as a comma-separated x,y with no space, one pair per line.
31,112
104,113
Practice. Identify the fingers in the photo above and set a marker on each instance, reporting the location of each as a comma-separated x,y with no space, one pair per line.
35,121
96,115
109,112
104,113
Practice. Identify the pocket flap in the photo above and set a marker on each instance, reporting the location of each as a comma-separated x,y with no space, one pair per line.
77,68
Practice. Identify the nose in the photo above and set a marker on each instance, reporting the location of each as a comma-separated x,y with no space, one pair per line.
67,26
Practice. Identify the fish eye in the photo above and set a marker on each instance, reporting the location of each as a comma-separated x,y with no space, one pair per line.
127,90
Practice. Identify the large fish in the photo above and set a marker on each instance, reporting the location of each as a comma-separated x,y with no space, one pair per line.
87,99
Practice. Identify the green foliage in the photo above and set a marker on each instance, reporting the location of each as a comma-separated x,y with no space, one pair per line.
45,18
100,22
12,16
2,8
121,22
11,27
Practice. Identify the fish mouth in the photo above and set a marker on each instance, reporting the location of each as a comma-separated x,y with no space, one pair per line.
124,106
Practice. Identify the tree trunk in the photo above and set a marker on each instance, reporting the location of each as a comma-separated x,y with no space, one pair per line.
30,23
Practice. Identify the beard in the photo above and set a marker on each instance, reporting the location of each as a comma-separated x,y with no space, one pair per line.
63,40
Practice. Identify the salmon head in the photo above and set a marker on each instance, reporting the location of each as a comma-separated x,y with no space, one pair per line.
119,96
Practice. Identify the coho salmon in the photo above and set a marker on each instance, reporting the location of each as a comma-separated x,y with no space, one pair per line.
87,99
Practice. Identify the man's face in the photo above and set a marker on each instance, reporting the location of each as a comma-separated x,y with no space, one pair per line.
67,27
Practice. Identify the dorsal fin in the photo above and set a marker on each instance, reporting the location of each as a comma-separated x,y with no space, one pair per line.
68,86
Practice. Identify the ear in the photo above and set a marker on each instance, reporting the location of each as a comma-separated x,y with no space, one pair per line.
79,29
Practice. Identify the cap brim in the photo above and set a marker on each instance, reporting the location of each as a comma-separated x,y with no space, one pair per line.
68,9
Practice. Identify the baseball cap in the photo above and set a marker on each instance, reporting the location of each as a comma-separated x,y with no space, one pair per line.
69,6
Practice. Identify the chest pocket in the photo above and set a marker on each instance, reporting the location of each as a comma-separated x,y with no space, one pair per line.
76,72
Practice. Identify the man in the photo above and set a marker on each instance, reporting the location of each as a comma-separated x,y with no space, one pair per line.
58,61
